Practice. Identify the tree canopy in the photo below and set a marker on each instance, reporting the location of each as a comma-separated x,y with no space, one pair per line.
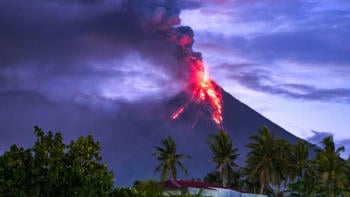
169,159
224,155
273,166
52,168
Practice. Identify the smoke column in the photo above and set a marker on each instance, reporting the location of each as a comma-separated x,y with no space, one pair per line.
203,89
160,18
61,37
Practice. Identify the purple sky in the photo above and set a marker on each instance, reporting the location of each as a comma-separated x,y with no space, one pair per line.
289,60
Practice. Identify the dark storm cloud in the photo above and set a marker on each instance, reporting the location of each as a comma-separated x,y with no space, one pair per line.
318,46
55,55
63,39
315,33
117,125
296,91
306,14
58,56
256,78
59,34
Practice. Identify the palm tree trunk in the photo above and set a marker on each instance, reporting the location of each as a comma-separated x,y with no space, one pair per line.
262,188
170,175
224,176
277,190
278,185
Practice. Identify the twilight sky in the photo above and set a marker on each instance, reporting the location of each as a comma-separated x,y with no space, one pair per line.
289,60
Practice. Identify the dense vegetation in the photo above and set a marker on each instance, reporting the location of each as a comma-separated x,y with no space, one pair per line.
273,167
52,168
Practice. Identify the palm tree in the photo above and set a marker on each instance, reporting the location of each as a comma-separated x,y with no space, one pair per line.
300,159
259,165
223,154
268,160
347,192
331,167
282,164
169,160
301,167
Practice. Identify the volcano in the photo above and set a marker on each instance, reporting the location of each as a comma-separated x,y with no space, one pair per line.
129,134
190,132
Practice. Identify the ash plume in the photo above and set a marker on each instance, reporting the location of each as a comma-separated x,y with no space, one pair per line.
62,39
160,19
55,56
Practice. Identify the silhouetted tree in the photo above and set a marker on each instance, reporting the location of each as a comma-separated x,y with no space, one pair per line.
302,176
332,168
224,155
169,159
51,168
268,160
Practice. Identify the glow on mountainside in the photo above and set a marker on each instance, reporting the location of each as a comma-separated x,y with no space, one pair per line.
204,90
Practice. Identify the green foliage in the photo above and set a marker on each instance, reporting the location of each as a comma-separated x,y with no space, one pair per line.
213,177
303,176
127,192
300,160
268,162
149,187
223,154
52,168
325,175
235,178
169,159
331,168
347,191
13,172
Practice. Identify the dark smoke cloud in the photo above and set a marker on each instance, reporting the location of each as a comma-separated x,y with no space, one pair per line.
57,55
58,39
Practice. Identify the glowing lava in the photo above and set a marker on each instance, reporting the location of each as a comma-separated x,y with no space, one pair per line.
177,112
204,91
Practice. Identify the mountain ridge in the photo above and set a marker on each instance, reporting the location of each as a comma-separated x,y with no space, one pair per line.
240,121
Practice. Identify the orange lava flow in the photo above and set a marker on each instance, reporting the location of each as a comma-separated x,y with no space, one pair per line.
204,90
177,112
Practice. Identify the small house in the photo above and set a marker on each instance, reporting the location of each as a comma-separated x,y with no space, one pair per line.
180,187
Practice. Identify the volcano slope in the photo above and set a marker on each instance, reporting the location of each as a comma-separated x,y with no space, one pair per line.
129,131
190,132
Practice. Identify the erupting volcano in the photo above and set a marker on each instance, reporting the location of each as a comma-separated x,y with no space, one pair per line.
205,91
203,88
